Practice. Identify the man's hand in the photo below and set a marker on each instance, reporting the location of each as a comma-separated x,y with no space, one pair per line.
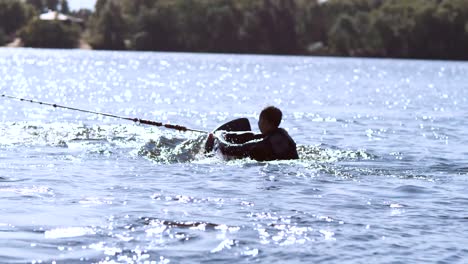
209,145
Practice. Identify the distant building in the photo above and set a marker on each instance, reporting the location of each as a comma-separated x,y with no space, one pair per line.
54,15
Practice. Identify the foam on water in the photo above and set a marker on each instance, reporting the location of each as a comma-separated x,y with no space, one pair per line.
155,144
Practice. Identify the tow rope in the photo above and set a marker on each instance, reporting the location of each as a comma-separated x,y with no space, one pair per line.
136,120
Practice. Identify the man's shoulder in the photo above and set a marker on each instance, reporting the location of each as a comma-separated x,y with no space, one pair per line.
282,130
280,134
280,140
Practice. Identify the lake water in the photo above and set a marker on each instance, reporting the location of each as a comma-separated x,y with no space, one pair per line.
382,175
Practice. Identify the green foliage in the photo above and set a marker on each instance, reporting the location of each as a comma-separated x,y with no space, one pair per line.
50,34
224,37
342,36
52,4
193,32
84,14
64,8
435,29
3,37
13,15
450,20
37,4
99,6
265,26
396,21
156,30
310,23
107,26
387,28
397,28
278,26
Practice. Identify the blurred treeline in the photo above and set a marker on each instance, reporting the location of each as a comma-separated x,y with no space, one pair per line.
13,15
433,29
19,18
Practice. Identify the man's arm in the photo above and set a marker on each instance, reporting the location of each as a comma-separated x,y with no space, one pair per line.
262,151
257,150
241,137
237,150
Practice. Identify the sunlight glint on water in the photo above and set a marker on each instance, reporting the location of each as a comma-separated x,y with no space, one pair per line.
382,174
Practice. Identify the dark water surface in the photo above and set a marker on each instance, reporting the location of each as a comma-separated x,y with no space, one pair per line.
382,176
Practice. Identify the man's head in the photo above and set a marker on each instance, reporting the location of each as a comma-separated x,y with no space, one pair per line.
270,118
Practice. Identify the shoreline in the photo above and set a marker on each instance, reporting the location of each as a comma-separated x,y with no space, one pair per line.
17,43
83,45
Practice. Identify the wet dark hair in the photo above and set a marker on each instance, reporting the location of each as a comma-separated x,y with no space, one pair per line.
272,114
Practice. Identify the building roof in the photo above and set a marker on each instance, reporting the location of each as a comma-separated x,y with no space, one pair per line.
54,15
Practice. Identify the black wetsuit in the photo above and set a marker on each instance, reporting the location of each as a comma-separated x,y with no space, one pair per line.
277,145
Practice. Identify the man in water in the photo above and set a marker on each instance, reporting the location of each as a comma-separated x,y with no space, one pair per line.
273,144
